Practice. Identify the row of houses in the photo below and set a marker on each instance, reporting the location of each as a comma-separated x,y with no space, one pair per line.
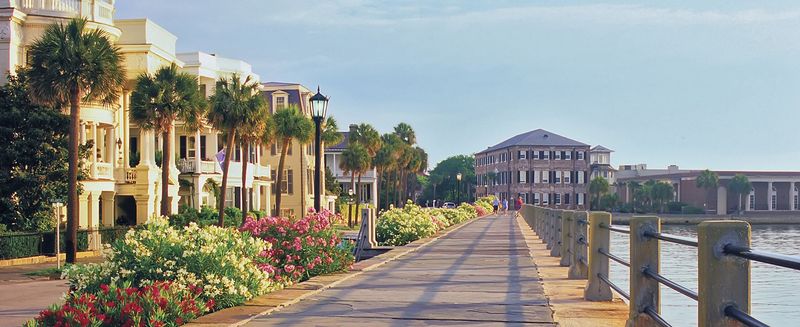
123,186
547,169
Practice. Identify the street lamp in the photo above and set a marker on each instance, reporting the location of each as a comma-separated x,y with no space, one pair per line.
319,108
350,201
458,188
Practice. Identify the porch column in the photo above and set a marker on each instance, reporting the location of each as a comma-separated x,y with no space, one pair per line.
83,204
722,200
126,131
375,192
769,196
145,207
93,153
256,200
108,208
172,165
146,148
747,202
111,147
198,191
197,157
83,132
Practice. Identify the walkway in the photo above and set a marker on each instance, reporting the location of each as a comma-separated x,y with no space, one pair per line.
479,275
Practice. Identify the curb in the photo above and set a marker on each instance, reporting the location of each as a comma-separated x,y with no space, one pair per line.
45,259
267,304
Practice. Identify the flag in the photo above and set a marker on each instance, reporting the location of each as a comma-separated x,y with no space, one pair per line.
220,156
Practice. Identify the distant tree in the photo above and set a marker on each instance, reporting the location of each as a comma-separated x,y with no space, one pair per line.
355,160
739,186
330,132
386,164
661,193
332,186
445,173
71,63
597,187
707,180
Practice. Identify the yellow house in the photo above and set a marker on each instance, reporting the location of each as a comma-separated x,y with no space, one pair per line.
124,181
297,186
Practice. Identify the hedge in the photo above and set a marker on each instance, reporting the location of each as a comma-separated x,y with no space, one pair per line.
19,245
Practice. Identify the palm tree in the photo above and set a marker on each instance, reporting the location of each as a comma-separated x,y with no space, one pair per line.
355,159
70,64
662,192
406,157
229,113
256,127
290,124
597,187
367,136
406,133
386,160
740,185
330,132
156,102
707,180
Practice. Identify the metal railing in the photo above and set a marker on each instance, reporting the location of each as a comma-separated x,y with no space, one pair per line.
582,240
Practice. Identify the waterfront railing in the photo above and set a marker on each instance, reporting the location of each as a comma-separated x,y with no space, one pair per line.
583,241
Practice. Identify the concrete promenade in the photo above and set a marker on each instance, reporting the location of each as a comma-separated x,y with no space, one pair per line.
479,275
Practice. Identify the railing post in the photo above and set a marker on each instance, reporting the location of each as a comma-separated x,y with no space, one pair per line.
566,237
723,280
578,268
644,253
599,238
548,228
555,251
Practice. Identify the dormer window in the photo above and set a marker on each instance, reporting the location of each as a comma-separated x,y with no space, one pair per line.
280,103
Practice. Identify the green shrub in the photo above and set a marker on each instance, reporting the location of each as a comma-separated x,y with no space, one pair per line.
207,216
220,260
400,226
20,245
49,240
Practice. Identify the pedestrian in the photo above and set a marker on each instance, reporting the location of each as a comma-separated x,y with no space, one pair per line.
495,204
505,206
518,204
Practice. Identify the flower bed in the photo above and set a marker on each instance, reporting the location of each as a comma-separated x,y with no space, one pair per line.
300,249
159,304
220,260
400,226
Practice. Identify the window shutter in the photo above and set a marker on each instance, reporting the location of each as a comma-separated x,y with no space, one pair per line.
237,195
182,150
203,147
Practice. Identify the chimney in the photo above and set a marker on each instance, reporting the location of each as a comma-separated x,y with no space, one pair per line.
353,128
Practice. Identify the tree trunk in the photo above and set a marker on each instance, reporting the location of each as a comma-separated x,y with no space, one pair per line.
740,204
350,216
226,164
165,149
358,197
245,160
279,177
73,210
378,179
396,187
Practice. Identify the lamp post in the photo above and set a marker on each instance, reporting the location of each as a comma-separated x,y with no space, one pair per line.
458,188
350,201
319,108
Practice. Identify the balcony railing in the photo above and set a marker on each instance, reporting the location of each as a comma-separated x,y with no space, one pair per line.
103,170
100,11
68,6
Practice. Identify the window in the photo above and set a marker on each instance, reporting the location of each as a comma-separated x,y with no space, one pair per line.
280,103
773,203
557,155
581,177
557,199
752,197
522,155
568,155
229,197
203,147
545,199
557,178
523,178
545,155
579,197
536,177
287,184
546,177
567,177
535,155
190,151
579,154
536,198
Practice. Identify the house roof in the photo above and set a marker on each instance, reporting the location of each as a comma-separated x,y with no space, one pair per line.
341,145
537,137
600,148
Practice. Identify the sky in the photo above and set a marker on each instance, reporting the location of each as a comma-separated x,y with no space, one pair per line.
700,84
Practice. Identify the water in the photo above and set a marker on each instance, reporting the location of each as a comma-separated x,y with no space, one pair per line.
775,299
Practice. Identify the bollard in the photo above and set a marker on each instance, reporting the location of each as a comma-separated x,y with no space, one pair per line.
368,215
723,280
599,238
578,268
566,237
548,229
645,253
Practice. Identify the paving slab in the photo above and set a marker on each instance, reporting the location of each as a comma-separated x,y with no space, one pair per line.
480,275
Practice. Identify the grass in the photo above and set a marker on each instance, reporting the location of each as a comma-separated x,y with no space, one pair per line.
46,272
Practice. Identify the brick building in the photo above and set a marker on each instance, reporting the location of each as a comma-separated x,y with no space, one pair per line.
543,168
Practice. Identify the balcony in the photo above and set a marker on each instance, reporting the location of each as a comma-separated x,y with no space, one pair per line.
206,167
103,170
100,11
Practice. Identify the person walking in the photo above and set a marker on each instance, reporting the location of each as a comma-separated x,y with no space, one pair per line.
495,204
518,204
505,206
